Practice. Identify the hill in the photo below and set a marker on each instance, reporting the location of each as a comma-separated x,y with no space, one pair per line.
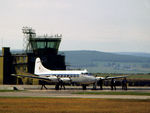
96,61
141,54
103,62
90,56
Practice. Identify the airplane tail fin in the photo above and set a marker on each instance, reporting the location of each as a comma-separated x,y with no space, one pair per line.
39,68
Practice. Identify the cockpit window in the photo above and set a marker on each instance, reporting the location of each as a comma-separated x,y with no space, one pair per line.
88,74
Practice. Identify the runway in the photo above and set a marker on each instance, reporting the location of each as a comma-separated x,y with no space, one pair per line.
69,93
65,94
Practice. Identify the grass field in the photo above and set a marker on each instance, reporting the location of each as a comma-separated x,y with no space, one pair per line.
139,76
10,90
119,67
115,93
130,76
71,105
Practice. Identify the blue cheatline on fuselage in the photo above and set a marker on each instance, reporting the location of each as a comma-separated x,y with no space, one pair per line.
60,75
65,75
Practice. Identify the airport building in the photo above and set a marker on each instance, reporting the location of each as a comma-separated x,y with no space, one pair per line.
46,47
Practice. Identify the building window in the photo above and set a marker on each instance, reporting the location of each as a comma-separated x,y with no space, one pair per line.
24,68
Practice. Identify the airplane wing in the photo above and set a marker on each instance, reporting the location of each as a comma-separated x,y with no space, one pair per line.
34,76
108,77
116,77
46,78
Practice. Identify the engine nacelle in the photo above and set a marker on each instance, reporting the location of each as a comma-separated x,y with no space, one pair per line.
66,80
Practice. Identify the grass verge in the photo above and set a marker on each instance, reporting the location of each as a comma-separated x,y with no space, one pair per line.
114,93
10,90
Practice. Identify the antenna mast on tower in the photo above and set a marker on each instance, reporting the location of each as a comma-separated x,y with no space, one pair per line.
29,33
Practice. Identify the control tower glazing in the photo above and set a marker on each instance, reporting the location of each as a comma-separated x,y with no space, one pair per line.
41,44
45,45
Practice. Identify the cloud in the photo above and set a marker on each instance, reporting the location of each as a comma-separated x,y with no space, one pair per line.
147,4
98,24
34,4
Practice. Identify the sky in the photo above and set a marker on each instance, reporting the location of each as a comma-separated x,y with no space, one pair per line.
101,25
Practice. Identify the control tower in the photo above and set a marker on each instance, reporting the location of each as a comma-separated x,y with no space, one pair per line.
46,47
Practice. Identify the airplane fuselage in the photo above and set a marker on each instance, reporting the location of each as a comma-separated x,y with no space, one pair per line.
55,76
73,78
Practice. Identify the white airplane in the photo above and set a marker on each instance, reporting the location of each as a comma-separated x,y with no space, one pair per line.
81,77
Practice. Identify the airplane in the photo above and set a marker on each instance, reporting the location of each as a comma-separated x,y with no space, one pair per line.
81,77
